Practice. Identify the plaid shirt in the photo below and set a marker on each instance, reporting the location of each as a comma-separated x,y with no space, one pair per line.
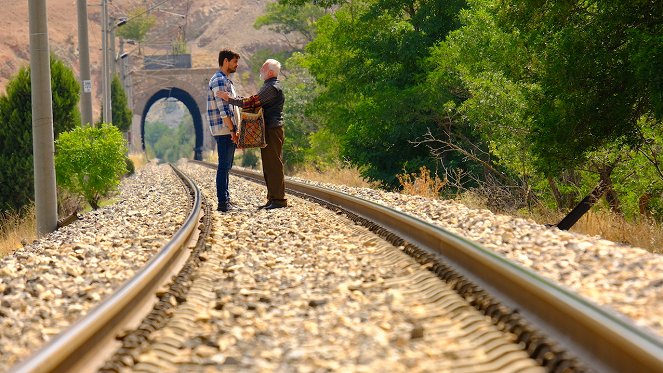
218,109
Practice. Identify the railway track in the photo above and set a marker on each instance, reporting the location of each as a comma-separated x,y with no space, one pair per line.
557,329
78,348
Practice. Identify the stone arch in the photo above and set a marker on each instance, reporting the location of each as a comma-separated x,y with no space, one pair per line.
190,103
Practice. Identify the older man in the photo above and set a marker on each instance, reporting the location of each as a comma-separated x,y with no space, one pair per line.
270,97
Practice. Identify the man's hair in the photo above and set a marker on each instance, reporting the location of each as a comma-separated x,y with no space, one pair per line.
273,65
227,54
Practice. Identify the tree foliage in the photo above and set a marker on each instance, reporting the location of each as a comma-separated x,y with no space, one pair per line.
139,24
16,153
122,115
547,96
170,144
90,161
369,57
598,64
300,90
289,20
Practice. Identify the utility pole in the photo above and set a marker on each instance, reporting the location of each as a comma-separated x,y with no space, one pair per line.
113,56
84,60
42,120
110,54
104,60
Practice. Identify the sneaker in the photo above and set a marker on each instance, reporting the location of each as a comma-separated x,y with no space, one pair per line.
265,205
223,207
276,205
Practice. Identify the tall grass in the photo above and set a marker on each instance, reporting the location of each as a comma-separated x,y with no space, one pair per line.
421,184
139,159
338,175
644,233
15,228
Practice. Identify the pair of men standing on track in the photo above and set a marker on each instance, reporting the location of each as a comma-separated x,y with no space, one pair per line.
224,117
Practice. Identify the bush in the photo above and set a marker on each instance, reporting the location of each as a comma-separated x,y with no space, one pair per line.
119,107
90,161
249,159
16,158
131,169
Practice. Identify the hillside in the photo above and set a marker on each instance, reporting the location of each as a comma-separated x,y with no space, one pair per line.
209,25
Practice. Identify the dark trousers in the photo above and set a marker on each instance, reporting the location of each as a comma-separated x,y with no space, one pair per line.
226,151
272,165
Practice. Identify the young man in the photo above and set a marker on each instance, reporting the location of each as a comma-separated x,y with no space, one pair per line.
270,97
223,121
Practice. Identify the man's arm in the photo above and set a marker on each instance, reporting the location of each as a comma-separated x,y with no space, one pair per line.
264,96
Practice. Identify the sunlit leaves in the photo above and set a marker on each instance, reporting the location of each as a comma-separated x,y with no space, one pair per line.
90,161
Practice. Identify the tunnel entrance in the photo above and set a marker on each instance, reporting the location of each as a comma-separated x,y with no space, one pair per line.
191,105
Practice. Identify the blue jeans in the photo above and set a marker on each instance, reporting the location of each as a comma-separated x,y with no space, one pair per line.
226,151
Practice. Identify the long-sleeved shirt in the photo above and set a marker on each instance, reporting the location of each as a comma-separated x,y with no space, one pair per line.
217,109
270,98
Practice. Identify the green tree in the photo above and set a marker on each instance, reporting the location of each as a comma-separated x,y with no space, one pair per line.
16,153
90,161
369,58
544,84
249,158
480,74
288,20
120,108
300,90
137,27
598,63
170,144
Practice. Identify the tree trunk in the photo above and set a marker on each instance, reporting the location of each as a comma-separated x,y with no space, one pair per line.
643,204
556,193
610,195
572,217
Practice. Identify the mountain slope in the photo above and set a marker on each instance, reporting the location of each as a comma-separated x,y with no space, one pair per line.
208,25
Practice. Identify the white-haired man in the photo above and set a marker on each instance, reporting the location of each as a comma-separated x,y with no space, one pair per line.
271,98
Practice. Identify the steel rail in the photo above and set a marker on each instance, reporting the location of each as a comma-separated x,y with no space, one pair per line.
603,340
77,345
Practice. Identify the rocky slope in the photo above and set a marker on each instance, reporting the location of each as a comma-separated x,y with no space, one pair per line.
208,26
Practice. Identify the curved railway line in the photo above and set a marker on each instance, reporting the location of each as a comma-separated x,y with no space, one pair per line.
557,329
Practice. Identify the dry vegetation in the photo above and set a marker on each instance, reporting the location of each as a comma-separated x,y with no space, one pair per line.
15,228
340,176
422,184
139,159
644,233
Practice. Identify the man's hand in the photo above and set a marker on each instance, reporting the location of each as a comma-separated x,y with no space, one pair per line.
234,136
222,95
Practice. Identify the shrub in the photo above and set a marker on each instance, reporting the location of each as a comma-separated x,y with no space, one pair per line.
249,159
120,109
422,184
16,158
131,169
90,161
